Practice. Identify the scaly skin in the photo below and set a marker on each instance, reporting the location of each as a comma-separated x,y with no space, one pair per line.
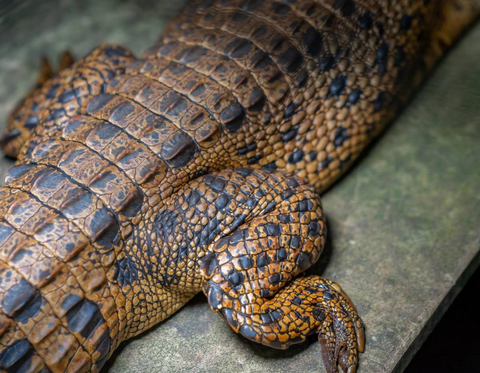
199,169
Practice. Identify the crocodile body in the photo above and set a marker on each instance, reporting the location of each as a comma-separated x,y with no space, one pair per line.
141,182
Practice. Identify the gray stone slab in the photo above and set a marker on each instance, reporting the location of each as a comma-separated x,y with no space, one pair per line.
404,223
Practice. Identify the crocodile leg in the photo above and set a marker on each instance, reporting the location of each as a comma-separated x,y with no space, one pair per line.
280,233
59,97
253,231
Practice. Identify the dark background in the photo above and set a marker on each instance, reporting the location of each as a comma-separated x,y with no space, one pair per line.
454,345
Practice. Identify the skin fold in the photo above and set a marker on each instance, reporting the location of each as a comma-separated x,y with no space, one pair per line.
140,182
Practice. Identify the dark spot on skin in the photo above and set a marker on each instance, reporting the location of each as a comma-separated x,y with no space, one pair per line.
246,262
275,278
178,107
273,229
125,273
311,9
49,180
239,16
326,162
102,349
337,86
84,318
5,232
241,49
14,357
17,297
98,102
255,159
218,184
285,218
198,90
296,156
266,319
303,261
209,264
77,201
379,101
298,301
121,112
55,114
295,242
400,56
291,59
259,32
279,8
347,7
257,100
275,315
70,301
102,181
270,166
248,332
282,254
276,76
382,54
380,28
106,131
222,201
327,63
104,228
406,22
262,260
251,4
318,314
289,110
31,309
313,41
301,79
133,203
66,96
233,117
341,135
52,92
287,194
354,96
313,229
114,51
247,149
228,315
178,150
235,279
366,21
72,157
31,122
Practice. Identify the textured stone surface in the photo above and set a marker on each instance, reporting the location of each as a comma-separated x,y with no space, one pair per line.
403,223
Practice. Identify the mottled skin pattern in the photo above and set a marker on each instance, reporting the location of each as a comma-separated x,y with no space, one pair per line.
198,167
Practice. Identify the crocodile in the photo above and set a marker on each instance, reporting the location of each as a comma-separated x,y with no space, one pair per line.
141,182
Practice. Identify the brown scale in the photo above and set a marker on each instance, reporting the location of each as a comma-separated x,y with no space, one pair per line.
141,182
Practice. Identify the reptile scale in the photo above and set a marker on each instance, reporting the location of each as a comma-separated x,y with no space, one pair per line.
141,182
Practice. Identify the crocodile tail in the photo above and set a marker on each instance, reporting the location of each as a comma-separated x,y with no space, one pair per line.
58,309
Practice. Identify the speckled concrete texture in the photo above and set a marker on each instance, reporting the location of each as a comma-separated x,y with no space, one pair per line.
403,222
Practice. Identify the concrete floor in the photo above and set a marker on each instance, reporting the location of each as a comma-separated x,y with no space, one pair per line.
404,222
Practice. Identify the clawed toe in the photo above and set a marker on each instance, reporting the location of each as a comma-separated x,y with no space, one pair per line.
342,337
